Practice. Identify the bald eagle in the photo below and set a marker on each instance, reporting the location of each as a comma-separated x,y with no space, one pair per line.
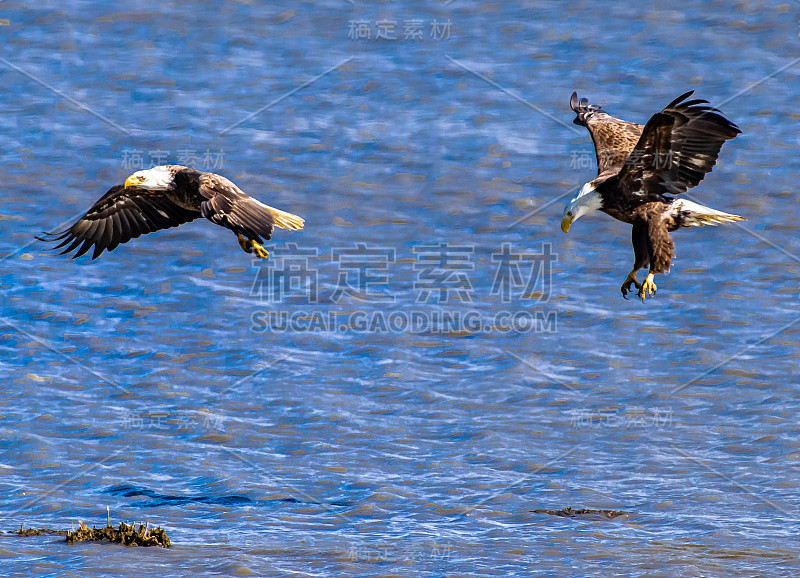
638,167
167,196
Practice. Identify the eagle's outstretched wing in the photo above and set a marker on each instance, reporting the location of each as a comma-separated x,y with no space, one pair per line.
679,146
613,138
226,205
122,214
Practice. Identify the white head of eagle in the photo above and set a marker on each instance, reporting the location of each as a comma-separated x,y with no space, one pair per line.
156,178
587,200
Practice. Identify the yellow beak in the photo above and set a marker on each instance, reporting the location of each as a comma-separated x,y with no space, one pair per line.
565,223
131,181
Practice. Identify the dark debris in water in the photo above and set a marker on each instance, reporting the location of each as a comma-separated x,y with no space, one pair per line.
126,534
37,532
587,513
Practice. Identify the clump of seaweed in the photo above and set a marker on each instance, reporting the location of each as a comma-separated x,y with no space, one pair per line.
583,513
126,534
37,532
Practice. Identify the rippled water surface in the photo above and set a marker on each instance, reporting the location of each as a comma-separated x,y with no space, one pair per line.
162,381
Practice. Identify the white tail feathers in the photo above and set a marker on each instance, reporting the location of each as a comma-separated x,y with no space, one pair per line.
696,215
283,219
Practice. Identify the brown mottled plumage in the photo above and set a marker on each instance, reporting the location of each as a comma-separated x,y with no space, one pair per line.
638,166
167,196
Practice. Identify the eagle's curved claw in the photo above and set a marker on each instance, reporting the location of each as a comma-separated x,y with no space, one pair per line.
260,251
648,288
250,246
626,285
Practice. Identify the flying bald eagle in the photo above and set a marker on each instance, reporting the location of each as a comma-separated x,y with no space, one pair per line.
167,196
639,166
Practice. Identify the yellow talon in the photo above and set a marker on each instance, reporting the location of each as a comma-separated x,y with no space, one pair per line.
648,288
250,246
260,251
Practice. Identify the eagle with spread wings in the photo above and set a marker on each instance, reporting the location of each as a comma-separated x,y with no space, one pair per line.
167,196
639,167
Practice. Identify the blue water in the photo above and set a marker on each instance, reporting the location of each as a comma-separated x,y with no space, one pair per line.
333,442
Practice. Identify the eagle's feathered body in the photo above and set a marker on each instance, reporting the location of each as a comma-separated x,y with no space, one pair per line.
167,196
639,167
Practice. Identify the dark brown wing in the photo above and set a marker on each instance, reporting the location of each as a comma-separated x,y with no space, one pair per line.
613,138
117,217
226,205
679,146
